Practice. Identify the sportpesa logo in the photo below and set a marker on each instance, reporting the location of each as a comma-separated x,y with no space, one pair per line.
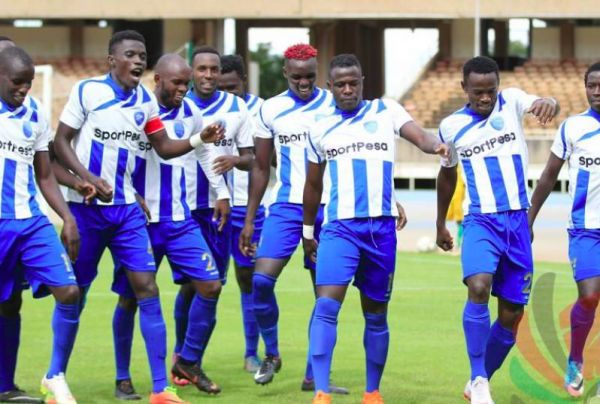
355,148
126,136
589,161
295,137
488,145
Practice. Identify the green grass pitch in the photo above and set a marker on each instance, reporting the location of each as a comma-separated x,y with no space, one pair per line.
426,362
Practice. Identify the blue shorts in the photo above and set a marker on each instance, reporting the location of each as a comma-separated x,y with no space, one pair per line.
183,245
499,244
121,228
363,249
238,215
30,251
584,253
219,242
282,232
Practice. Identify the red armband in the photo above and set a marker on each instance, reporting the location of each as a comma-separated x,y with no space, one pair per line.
153,126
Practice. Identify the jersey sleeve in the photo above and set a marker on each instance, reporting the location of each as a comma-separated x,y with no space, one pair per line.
314,152
245,135
45,133
561,147
522,100
398,113
154,124
74,111
206,154
263,129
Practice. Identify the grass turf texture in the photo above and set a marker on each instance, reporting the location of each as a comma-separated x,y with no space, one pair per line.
426,362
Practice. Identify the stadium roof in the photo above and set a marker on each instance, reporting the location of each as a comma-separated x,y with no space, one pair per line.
298,9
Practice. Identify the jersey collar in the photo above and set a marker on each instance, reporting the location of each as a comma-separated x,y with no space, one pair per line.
299,100
119,92
594,114
6,107
352,113
201,102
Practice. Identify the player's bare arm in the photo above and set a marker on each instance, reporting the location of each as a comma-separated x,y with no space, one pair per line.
168,148
68,179
544,187
243,162
427,142
446,184
402,218
311,199
544,109
49,188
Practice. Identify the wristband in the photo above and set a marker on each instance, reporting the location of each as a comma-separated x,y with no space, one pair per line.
308,232
195,140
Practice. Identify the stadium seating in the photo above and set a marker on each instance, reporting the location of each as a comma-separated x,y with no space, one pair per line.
438,92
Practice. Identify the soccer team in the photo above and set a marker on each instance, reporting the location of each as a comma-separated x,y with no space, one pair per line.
182,172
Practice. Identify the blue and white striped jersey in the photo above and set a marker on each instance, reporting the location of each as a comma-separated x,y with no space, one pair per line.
23,132
231,110
161,182
288,120
238,179
493,153
578,142
111,124
359,149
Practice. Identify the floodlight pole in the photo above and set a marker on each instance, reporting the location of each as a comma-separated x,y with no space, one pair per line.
477,44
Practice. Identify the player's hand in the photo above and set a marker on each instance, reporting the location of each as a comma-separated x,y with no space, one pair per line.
531,233
310,248
87,190
213,133
142,202
402,219
224,163
443,150
104,191
444,239
544,109
221,212
70,237
245,244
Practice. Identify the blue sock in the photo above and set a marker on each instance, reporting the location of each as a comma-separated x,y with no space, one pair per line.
208,336
65,322
476,325
202,317
250,325
499,344
122,327
154,332
308,373
181,310
266,310
323,335
376,341
10,332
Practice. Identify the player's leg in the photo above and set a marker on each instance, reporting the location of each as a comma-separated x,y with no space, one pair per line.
280,236
123,324
376,340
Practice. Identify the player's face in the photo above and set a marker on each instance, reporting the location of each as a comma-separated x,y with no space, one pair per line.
346,84
173,85
482,91
15,83
128,63
592,90
232,83
206,71
301,76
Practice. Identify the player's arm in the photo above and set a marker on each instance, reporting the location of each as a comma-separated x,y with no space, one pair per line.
222,210
226,162
68,179
49,188
67,157
311,199
544,186
544,109
427,142
168,148
446,184
259,179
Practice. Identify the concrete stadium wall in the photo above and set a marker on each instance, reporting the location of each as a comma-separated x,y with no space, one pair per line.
463,40
546,43
176,32
587,45
95,41
46,42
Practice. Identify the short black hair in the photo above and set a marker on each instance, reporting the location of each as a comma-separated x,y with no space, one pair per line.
480,65
595,67
5,38
344,60
205,49
121,36
12,54
233,63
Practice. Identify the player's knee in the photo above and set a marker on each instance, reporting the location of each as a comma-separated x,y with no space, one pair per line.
209,290
263,285
244,279
144,285
67,294
127,303
327,309
479,290
589,302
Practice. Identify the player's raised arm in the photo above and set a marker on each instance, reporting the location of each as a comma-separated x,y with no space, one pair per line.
425,141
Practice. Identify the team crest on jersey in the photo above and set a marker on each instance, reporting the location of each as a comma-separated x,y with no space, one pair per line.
27,131
370,126
497,122
139,117
178,129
